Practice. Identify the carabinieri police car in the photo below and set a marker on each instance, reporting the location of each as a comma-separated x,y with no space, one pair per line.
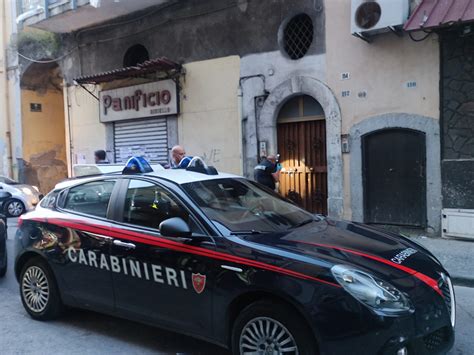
221,258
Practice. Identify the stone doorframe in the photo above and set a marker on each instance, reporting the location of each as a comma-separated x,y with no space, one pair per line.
301,85
427,125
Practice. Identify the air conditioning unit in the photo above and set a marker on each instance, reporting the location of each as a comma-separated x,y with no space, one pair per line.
457,223
369,17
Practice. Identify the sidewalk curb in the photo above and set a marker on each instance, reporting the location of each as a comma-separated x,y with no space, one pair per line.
462,281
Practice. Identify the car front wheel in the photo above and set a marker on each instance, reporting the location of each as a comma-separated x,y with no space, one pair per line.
14,208
38,290
266,327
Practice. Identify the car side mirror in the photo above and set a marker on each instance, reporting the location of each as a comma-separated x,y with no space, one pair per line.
175,228
4,195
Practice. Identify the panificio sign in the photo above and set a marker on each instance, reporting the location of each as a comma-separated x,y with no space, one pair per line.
146,100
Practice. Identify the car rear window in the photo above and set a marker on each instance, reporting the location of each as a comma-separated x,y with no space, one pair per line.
49,201
91,198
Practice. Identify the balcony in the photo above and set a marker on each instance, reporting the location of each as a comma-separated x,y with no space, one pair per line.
62,16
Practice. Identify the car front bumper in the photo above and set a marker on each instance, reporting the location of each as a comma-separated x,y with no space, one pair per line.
347,327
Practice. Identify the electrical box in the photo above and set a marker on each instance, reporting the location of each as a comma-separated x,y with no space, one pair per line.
457,223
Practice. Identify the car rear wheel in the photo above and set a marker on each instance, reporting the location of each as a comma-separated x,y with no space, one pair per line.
38,290
14,208
266,327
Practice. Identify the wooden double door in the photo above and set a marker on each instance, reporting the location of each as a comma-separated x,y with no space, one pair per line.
302,149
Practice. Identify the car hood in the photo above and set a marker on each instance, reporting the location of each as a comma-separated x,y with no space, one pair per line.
338,242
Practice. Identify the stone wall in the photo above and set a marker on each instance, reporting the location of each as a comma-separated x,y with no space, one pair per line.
189,31
457,119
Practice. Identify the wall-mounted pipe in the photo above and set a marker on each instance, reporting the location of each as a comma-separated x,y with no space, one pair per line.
28,14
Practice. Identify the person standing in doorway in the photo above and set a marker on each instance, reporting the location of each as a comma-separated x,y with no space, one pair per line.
267,173
179,160
100,157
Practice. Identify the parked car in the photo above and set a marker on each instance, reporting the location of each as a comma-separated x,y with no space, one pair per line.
219,257
24,197
3,241
79,170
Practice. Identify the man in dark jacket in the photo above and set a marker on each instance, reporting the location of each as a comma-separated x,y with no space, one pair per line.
266,173
100,157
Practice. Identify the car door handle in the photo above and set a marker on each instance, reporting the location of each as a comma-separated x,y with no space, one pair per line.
124,245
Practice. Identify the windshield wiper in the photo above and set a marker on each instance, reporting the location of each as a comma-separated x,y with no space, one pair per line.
248,232
307,221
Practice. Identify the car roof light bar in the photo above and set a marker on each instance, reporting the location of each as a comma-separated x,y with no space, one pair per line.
198,165
137,165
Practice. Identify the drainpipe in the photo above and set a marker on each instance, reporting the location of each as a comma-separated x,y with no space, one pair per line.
244,119
28,14
240,108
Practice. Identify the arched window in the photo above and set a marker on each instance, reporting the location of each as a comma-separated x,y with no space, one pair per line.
301,107
135,55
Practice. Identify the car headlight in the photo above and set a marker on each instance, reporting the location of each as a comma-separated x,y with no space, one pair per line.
371,291
26,191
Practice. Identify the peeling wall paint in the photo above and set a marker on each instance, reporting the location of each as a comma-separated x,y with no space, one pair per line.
44,148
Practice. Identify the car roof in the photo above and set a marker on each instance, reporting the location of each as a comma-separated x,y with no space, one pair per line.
179,176
93,169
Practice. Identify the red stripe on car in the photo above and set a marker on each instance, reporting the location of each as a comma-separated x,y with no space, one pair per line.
426,279
169,244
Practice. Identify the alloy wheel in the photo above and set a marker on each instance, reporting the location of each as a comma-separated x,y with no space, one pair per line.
266,336
15,208
35,289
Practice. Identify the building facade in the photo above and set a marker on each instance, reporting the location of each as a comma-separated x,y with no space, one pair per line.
355,120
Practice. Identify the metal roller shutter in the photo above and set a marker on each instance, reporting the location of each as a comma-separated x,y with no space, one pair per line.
147,138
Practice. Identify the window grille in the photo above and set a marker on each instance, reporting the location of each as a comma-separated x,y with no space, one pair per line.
298,36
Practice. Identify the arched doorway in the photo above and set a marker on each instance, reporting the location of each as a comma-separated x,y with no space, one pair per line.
43,162
394,166
301,135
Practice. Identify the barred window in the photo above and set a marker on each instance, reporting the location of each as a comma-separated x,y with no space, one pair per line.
298,36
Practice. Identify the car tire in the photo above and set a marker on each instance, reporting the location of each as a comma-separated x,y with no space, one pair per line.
39,291
14,208
258,327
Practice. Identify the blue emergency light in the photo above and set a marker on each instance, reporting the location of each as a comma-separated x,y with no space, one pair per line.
137,165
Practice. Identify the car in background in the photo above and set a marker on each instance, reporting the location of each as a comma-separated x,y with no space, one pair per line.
3,240
79,170
24,198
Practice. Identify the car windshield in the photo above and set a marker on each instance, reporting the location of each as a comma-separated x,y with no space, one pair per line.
243,206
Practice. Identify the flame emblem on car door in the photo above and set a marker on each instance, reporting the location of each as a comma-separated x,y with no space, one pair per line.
199,282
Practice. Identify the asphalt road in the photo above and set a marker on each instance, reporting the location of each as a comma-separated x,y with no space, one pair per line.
84,332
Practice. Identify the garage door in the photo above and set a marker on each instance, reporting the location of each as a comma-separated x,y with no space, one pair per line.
147,138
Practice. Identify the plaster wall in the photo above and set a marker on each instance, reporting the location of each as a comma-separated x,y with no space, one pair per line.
277,68
190,31
10,110
208,124
3,91
382,70
44,148
86,132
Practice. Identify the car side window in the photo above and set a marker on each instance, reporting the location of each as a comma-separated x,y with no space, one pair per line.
147,205
90,198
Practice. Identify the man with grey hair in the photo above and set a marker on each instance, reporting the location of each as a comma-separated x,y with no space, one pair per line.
179,160
266,173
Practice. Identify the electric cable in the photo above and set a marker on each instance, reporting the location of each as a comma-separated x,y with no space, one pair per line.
49,60
419,39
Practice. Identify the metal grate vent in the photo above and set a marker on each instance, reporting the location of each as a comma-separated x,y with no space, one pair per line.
298,36
436,339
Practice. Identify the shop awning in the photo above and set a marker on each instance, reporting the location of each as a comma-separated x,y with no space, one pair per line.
432,14
140,70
